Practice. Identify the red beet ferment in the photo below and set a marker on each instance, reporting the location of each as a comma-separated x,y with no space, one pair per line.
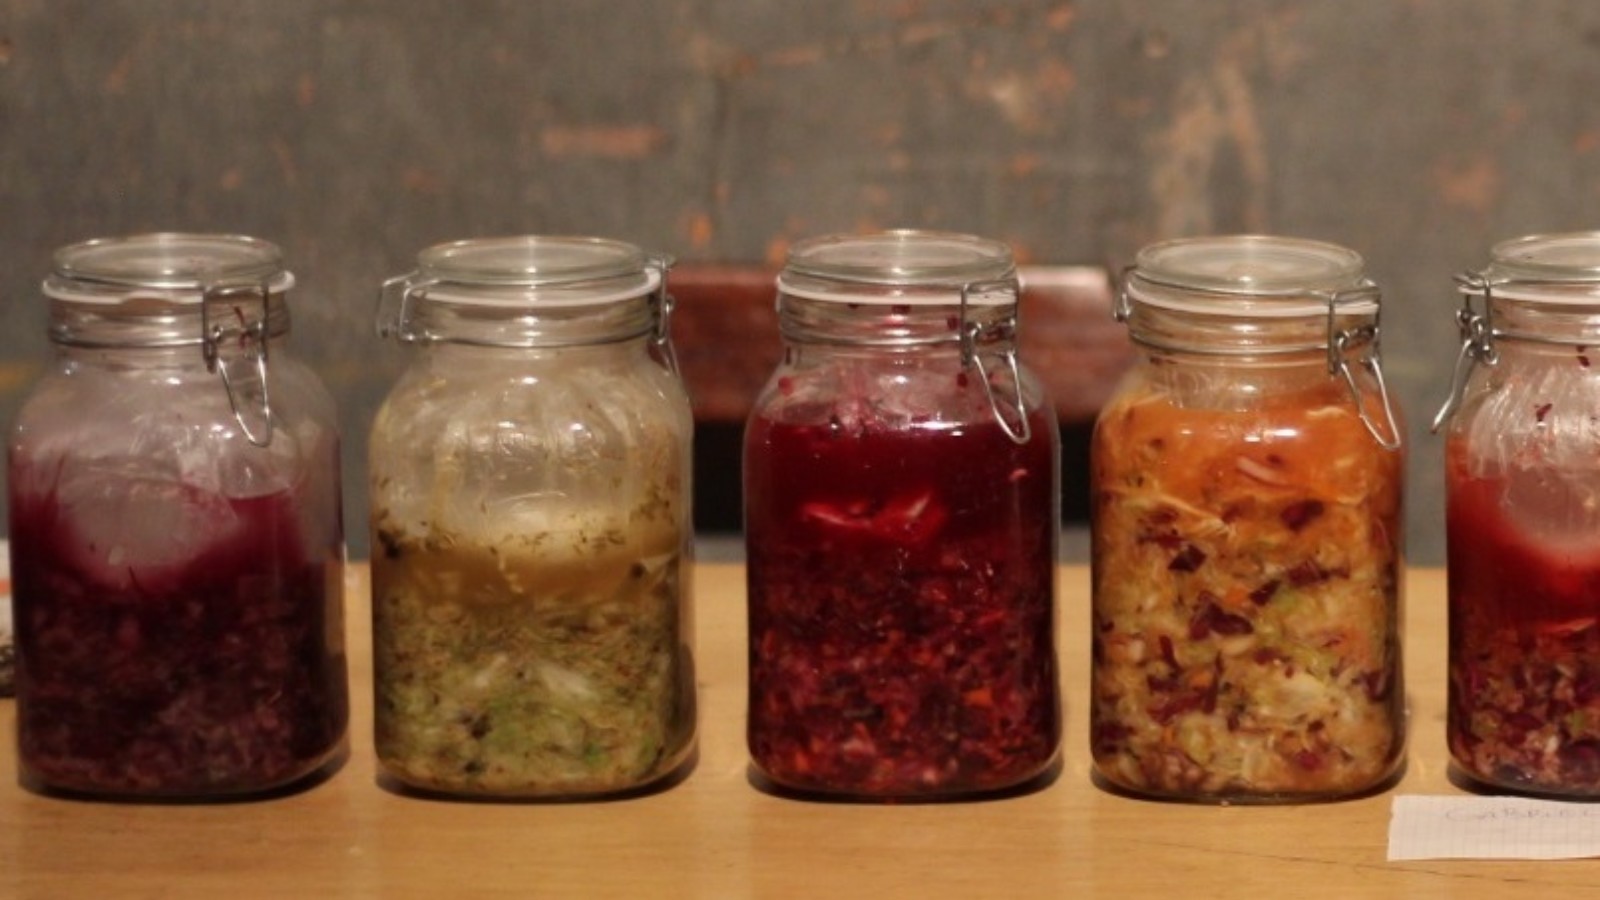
176,545
1522,480
901,519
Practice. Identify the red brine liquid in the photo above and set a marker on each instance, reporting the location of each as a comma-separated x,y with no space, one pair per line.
1524,695
216,670
901,587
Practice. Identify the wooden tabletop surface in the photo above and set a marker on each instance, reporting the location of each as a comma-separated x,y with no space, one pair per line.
715,835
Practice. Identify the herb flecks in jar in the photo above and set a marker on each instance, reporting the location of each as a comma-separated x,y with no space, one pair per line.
901,506
177,551
1522,517
1246,531
531,525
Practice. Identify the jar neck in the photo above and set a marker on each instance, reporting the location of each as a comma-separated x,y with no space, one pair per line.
1278,340
455,356
186,361
1516,324
1300,364
874,328
153,323
431,320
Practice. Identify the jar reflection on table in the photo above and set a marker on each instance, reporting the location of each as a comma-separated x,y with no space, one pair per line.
1246,531
1522,477
176,544
531,525
901,521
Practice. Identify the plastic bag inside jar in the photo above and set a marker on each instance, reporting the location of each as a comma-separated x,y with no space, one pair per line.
137,518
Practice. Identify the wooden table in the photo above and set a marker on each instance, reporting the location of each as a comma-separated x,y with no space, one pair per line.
714,835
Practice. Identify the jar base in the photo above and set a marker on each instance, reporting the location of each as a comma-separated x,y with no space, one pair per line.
319,774
1265,798
1472,783
1039,781
665,781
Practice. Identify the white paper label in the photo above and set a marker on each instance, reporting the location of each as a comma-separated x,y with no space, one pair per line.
1474,827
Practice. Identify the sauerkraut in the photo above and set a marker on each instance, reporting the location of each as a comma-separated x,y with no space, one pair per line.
1246,566
530,573
544,665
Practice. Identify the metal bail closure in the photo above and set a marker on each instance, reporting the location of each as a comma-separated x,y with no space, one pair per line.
1477,342
1340,343
1121,302
662,305
395,302
972,334
233,321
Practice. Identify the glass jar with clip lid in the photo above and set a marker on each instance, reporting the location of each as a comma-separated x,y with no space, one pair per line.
531,524
1246,530
1522,482
177,550
901,506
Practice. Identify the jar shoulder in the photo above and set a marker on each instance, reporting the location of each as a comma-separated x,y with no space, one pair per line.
115,402
1531,409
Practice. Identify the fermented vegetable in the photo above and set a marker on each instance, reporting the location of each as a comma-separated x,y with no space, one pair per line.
901,607
548,664
1246,580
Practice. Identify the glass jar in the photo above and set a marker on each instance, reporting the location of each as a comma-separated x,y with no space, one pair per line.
1246,531
530,476
176,546
901,504
1522,482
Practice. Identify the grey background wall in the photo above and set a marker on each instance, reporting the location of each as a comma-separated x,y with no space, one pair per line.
354,132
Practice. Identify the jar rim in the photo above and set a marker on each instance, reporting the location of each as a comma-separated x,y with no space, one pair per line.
546,270
1253,275
894,266
178,267
1561,267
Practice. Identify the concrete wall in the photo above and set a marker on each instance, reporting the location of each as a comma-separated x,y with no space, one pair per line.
354,132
